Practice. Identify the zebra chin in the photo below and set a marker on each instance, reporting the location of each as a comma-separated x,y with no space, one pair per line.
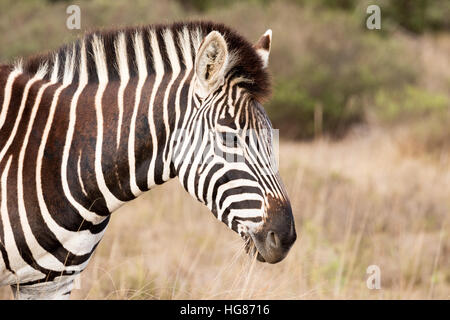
266,251
272,242
269,247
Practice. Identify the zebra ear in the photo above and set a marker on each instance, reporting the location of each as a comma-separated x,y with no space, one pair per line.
211,61
262,47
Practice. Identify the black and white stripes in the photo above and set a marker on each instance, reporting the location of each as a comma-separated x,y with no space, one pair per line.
93,125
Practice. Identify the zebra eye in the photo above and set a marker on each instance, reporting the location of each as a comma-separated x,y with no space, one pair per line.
229,139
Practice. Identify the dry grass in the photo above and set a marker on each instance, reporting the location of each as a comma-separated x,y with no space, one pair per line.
357,202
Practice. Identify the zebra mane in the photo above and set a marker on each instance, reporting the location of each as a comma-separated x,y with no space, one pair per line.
244,63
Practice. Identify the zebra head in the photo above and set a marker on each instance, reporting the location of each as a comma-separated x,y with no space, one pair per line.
229,162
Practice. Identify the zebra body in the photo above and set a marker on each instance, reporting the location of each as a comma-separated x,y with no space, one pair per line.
97,123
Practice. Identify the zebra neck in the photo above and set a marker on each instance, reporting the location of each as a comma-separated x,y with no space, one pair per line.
96,145
120,138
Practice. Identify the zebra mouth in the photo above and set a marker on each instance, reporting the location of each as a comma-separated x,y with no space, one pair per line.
251,249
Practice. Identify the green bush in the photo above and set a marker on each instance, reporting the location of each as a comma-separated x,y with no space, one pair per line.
418,15
409,103
425,113
333,66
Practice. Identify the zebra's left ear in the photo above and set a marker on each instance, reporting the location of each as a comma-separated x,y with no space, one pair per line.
211,62
262,47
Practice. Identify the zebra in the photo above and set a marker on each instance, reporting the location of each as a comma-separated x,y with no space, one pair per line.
96,123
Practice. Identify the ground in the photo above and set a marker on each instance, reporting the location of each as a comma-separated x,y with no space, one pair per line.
361,201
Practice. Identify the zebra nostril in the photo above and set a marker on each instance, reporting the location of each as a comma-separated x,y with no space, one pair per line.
273,240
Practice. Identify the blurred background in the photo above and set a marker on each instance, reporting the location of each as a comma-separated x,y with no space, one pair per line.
364,119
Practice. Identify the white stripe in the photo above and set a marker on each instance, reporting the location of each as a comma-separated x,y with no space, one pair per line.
159,72
197,38
18,65
185,45
80,180
245,213
42,71
7,96
174,62
186,48
69,67
122,63
54,76
102,72
142,76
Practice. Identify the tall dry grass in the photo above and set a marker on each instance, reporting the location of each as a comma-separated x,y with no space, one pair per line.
357,202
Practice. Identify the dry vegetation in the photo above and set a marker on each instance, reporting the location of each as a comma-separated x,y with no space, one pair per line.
357,202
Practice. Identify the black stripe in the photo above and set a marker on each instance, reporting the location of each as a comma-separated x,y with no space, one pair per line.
244,204
239,190
229,176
